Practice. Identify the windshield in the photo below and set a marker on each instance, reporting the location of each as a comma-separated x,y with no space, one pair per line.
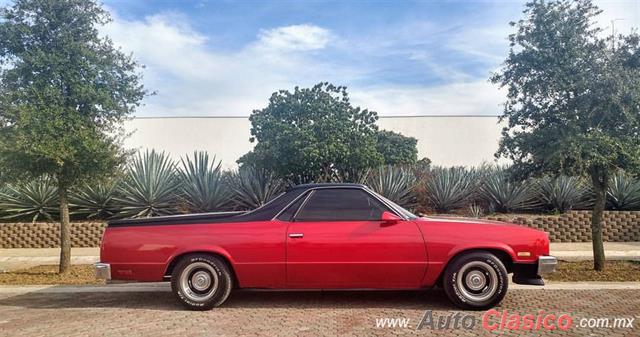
397,207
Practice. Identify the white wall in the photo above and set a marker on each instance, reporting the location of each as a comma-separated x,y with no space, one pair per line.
446,140
450,140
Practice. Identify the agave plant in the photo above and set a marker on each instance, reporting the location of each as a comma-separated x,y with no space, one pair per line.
149,187
450,188
476,211
563,193
94,201
505,194
35,200
253,187
395,183
623,192
202,185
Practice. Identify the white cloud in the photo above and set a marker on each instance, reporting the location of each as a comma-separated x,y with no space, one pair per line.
465,98
192,76
295,37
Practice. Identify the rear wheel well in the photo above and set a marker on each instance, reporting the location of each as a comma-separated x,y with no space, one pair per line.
176,259
503,256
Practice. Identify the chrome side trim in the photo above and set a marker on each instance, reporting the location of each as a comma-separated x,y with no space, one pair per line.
389,206
546,264
302,195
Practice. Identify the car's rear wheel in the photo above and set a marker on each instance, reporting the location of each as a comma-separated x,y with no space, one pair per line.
476,280
201,282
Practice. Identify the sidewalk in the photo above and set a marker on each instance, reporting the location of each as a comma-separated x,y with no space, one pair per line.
11,259
20,258
576,251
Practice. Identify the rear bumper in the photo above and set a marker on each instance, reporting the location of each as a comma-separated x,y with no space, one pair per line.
531,274
103,271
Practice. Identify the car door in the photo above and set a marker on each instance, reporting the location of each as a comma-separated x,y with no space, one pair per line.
337,240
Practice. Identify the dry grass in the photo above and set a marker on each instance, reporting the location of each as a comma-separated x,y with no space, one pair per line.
615,271
78,274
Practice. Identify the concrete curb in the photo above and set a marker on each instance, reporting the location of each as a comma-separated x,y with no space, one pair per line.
588,255
165,287
70,289
580,286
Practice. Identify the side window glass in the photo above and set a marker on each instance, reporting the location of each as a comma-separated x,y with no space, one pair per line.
288,214
340,205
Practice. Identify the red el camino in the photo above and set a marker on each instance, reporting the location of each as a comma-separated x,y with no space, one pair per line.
324,236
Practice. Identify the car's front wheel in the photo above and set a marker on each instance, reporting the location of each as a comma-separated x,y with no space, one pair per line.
201,282
476,280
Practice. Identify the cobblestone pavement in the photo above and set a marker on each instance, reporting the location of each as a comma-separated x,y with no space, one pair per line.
252,313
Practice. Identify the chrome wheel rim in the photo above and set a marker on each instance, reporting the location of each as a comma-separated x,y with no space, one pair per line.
199,281
477,281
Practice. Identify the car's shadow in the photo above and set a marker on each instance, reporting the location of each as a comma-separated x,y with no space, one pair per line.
163,300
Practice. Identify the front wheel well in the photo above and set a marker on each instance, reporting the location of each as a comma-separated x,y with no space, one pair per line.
177,258
503,256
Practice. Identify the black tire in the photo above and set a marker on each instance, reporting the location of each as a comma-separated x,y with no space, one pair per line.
201,282
476,280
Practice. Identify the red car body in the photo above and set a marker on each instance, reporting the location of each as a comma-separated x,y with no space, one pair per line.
400,253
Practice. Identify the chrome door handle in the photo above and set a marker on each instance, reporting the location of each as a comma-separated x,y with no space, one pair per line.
296,235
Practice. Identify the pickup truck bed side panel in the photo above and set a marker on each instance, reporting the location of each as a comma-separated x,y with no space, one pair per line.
143,252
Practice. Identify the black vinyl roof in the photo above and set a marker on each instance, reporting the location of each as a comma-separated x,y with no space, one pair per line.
317,185
264,213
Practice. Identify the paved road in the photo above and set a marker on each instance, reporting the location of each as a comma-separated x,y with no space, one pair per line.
253,313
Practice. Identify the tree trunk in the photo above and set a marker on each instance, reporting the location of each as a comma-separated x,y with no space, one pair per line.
600,180
65,231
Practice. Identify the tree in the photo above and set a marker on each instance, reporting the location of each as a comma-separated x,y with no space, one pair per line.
396,148
573,99
64,93
311,133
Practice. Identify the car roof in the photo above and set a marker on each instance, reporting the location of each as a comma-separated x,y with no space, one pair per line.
325,185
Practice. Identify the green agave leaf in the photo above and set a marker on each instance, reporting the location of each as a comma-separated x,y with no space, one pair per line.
253,187
563,193
505,194
395,183
149,187
34,200
623,192
94,201
450,188
202,184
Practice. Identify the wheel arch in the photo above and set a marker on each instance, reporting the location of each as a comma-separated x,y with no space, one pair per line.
223,257
504,255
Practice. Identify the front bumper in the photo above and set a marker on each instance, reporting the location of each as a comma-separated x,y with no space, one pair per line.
531,274
103,271
546,264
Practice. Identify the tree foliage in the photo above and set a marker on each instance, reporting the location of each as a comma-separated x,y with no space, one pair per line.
573,98
314,133
64,91
396,148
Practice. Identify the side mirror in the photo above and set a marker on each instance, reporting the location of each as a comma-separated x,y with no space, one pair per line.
389,218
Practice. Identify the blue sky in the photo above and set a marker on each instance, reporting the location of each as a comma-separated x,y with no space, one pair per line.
225,58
